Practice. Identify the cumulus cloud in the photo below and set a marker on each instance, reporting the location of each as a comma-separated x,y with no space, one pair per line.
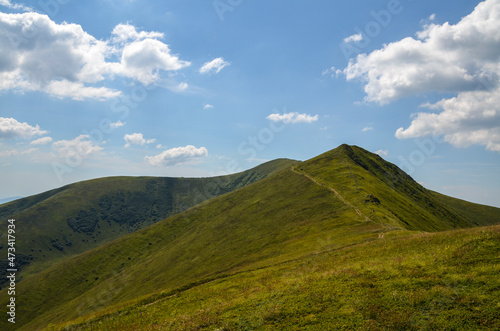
292,118
15,6
65,61
367,128
460,58
123,33
207,106
471,118
81,146
136,139
178,155
143,59
117,124
354,38
11,128
444,58
216,65
41,141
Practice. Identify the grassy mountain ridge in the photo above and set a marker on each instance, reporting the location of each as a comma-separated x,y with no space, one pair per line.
387,194
486,214
72,219
212,238
344,198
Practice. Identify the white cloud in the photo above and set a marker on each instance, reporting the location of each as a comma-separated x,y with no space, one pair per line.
332,71
180,88
126,32
354,38
15,6
177,156
207,106
216,65
471,118
11,128
78,91
29,151
381,152
41,141
143,59
65,61
116,125
443,58
8,153
81,146
367,128
460,58
292,118
136,139
14,152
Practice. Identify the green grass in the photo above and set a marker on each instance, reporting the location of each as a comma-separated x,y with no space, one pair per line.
68,221
441,281
358,174
330,241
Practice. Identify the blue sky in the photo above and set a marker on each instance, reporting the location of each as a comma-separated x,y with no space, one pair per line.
182,88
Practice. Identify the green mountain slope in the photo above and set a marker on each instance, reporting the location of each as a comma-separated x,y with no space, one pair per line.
73,219
440,281
345,198
386,194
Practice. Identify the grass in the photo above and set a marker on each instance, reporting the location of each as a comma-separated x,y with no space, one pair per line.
403,203
330,242
441,281
62,223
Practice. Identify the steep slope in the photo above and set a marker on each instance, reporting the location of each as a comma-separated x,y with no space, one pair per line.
342,198
384,193
73,219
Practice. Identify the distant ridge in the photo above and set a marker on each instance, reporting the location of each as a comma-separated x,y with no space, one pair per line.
5,200
75,218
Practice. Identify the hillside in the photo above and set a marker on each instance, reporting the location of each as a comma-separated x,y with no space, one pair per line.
386,194
75,218
284,243
437,281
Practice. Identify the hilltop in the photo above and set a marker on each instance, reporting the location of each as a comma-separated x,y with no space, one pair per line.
280,250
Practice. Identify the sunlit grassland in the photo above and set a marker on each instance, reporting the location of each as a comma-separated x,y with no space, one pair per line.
441,281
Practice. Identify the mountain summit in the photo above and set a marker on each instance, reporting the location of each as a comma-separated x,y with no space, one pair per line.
385,193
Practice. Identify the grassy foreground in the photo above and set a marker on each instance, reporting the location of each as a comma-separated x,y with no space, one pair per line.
440,281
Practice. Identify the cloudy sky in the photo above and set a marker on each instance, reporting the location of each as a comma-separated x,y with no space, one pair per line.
181,88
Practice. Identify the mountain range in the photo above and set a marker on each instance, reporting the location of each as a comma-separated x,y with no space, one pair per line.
345,240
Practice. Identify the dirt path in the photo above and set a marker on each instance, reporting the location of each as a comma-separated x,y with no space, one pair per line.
337,194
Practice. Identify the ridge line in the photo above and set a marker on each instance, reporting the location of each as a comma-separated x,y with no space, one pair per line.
337,194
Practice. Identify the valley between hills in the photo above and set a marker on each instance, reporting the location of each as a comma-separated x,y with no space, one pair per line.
343,241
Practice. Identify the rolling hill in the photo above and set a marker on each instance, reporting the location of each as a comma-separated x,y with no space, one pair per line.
72,219
343,239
